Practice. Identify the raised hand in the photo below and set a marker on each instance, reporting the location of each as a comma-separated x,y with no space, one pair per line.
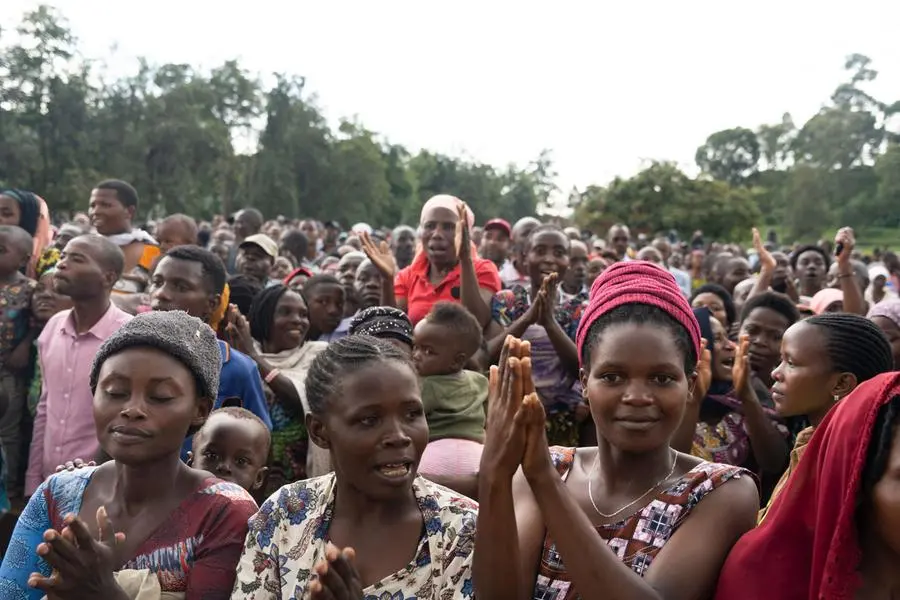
82,566
381,255
336,576
463,239
536,460
704,374
844,242
549,294
766,261
238,329
510,382
740,372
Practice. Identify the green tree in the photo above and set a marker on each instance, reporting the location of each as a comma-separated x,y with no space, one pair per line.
731,155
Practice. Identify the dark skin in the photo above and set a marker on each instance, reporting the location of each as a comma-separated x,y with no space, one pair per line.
764,329
548,261
326,308
892,332
10,211
375,419
181,285
634,372
83,275
14,255
233,449
110,216
144,405
289,329
255,263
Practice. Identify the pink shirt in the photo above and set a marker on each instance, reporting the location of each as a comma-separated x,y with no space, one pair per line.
64,423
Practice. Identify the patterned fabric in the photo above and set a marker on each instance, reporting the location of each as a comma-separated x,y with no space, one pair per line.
796,454
637,539
15,313
193,551
558,388
288,536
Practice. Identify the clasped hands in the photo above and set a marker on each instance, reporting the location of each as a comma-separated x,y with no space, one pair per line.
516,433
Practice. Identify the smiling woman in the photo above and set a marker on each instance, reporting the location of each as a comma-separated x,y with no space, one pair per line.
410,538
153,382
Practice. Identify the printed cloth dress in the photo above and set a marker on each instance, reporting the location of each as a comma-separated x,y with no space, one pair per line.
194,551
637,539
289,533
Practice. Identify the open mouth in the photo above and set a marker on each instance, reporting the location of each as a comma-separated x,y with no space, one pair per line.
728,362
397,470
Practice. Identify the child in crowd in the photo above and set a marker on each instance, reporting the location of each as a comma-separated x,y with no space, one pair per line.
326,298
233,445
455,399
16,339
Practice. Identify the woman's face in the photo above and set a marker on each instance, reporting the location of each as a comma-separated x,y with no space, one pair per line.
885,500
892,332
723,352
290,322
145,403
439,235
804,381
548,253
45,302
715,306
10,211
375,428
281,268
636,386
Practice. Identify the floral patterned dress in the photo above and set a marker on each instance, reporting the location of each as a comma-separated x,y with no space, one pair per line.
289,533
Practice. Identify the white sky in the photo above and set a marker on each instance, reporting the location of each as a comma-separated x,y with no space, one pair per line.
604,85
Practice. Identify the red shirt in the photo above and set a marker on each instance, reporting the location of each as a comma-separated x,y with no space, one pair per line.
413,284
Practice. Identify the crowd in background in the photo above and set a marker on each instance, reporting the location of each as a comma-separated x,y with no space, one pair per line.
272,408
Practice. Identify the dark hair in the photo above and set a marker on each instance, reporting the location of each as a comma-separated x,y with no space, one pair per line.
795,256
722,293
879,451
125,192
238,413
213,268
460,322
256,222
855,344
780,303
109,255
341,358
544,228
320,280
295,242
242,291
641,314
262,311
29,208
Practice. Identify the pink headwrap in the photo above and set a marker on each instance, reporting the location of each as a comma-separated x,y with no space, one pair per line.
449,202
637,282
825,298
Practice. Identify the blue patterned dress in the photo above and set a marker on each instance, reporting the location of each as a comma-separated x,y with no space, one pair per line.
194,551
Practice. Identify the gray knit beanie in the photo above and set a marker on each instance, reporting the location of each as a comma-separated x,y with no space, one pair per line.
176,333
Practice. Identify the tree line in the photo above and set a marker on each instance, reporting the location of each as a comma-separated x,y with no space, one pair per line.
841,167
66,122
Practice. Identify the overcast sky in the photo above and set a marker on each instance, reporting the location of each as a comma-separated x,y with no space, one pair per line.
604,85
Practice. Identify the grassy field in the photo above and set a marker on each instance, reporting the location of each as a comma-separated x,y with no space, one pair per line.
867,239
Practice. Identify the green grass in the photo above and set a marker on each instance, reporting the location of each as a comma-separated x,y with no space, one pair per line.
867,239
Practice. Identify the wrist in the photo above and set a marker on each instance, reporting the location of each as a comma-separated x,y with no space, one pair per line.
543,477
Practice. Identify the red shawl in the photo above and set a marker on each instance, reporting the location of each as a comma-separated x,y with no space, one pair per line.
807,548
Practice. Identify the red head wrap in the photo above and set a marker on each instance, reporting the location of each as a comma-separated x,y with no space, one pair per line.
638,282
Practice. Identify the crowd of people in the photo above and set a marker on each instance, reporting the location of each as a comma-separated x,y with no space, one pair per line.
274,409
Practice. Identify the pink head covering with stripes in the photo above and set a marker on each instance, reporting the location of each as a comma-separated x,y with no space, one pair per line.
637,282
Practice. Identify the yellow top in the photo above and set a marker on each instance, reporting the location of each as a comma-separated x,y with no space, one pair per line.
796,454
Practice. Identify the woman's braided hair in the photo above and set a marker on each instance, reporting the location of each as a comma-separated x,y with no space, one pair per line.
344,357
854,344
879,450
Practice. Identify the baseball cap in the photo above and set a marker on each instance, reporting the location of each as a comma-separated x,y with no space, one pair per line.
499,224
267,244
